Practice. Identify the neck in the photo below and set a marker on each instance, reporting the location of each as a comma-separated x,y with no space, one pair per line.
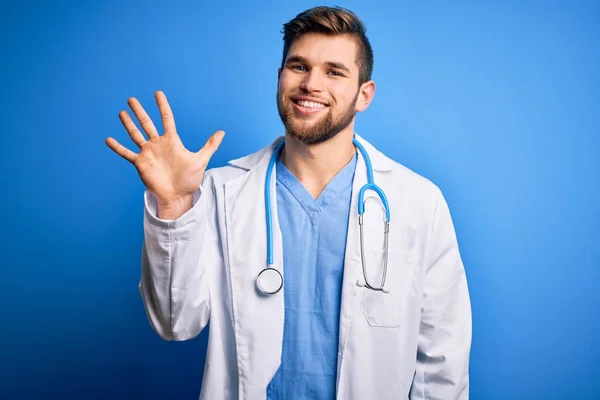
316,165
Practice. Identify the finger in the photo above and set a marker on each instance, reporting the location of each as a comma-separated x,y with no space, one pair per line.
142,116
212,144
166,114
121,150
133,131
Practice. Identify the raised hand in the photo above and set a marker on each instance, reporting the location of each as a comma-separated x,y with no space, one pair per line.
168,170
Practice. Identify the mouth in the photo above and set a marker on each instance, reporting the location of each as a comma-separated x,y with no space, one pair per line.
308,105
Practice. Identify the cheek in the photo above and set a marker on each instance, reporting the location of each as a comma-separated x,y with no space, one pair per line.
344,97
280,86
287,82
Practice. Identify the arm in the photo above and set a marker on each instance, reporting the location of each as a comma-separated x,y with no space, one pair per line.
174,279
173,284
442,370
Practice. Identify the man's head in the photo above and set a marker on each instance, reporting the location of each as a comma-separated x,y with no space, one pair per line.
325,74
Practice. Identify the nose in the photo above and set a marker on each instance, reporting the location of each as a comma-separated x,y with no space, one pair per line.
312,82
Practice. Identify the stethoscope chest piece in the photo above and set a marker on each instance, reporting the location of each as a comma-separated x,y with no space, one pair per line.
269,281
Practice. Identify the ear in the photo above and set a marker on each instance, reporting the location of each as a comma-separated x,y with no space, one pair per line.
365,95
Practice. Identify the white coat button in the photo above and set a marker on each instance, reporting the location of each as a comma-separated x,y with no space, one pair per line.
361,283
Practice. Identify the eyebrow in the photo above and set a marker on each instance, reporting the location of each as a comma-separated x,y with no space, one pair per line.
332,64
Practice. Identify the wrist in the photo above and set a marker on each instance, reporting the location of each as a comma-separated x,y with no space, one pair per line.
174,209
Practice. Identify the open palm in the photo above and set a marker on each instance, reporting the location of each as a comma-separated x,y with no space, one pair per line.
166,167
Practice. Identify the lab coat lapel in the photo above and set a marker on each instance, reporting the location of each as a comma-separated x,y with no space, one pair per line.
352,266
351,300
258,319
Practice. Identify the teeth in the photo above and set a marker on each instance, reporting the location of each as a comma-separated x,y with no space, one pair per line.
310,104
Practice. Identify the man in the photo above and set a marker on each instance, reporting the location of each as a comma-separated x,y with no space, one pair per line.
361,313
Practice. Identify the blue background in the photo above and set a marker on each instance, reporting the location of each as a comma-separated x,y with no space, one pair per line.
497,103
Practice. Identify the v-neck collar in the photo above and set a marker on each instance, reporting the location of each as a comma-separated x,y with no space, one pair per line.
342,180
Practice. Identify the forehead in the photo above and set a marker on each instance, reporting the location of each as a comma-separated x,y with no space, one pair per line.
319,48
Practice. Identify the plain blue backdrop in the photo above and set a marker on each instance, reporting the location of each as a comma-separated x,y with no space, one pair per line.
497,103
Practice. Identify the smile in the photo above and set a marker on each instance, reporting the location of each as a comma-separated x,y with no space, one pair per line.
308,106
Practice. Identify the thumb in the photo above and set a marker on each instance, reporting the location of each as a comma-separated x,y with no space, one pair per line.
211,145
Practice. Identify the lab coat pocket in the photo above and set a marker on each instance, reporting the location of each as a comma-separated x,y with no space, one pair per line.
388,309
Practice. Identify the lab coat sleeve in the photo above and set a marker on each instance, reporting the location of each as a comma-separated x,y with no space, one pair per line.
442,369
174,282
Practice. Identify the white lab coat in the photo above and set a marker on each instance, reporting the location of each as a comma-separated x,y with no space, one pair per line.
413,342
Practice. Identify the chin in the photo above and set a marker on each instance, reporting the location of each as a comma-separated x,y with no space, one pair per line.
311,137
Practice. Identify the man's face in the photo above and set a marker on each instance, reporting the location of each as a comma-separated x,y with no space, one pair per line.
318,93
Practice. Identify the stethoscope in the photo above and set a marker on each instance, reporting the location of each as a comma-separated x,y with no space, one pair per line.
270,280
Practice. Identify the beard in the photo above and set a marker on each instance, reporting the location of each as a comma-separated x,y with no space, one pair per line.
315,132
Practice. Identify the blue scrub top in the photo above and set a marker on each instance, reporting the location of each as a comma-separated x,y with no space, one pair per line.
314,245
